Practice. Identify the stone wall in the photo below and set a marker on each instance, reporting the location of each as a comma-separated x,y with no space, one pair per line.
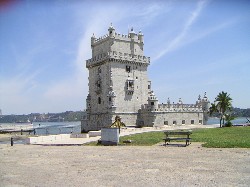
157,118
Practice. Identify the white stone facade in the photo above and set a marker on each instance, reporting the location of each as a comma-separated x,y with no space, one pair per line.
119,85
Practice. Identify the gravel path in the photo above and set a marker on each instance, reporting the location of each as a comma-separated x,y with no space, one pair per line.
32,165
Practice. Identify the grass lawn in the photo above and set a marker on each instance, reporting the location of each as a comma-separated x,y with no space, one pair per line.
227,137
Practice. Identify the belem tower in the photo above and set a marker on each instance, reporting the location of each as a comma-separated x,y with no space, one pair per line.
119,86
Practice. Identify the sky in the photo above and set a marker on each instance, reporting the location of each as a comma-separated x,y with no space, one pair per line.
195,46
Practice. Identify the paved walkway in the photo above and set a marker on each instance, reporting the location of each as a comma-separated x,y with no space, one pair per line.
66,140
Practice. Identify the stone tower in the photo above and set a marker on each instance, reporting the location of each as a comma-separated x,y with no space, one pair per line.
118,82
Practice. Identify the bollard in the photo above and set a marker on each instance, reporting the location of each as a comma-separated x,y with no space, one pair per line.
34,131
11,141
21,131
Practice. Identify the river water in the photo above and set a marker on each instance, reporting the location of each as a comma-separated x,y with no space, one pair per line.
47,128
237,121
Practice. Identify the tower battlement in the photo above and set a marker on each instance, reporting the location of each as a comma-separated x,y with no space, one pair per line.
174,108
138,38
115,55
121,43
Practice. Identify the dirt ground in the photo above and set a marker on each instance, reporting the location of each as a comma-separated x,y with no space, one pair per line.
33,165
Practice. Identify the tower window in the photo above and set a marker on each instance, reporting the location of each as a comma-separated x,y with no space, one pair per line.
128,69
99,70
109,99
130,84
149,87
99,100
98,83
152,103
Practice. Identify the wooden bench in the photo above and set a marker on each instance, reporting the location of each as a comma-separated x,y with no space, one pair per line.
177,135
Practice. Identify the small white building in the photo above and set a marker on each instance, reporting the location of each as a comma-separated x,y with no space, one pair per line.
119,85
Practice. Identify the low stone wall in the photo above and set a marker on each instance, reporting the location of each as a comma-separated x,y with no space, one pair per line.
94,133
79,136
52,138
40,139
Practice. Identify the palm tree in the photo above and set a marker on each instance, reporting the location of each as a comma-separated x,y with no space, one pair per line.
228,119
213,109
223,103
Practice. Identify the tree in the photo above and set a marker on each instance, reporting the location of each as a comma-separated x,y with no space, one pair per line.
228,119
222,104
213,109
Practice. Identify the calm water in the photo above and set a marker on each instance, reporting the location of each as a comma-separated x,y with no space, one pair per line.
43,128
46,128
235,122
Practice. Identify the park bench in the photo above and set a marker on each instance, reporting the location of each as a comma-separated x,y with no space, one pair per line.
177,135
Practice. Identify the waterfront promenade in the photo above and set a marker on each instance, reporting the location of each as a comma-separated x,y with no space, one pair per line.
67,139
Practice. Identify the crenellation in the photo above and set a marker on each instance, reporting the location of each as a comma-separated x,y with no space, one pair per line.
173,107
117,55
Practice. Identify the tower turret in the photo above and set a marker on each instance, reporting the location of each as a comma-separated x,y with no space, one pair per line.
132,33
205,103
198,102
93,38
111,31
141,37
153,101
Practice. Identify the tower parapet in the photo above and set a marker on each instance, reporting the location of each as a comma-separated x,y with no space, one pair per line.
178,107
138,38
118,46
115,55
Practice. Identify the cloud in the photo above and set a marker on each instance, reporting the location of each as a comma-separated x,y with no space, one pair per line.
76,86
17,92
177,41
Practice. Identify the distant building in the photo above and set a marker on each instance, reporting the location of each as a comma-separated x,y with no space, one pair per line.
119,85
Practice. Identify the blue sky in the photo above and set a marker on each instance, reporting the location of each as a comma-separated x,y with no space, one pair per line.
195,47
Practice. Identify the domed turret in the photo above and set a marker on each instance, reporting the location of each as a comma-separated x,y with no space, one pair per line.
153,101
205,103
168,101
141,37
132,33
93,38
111,30
199,100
